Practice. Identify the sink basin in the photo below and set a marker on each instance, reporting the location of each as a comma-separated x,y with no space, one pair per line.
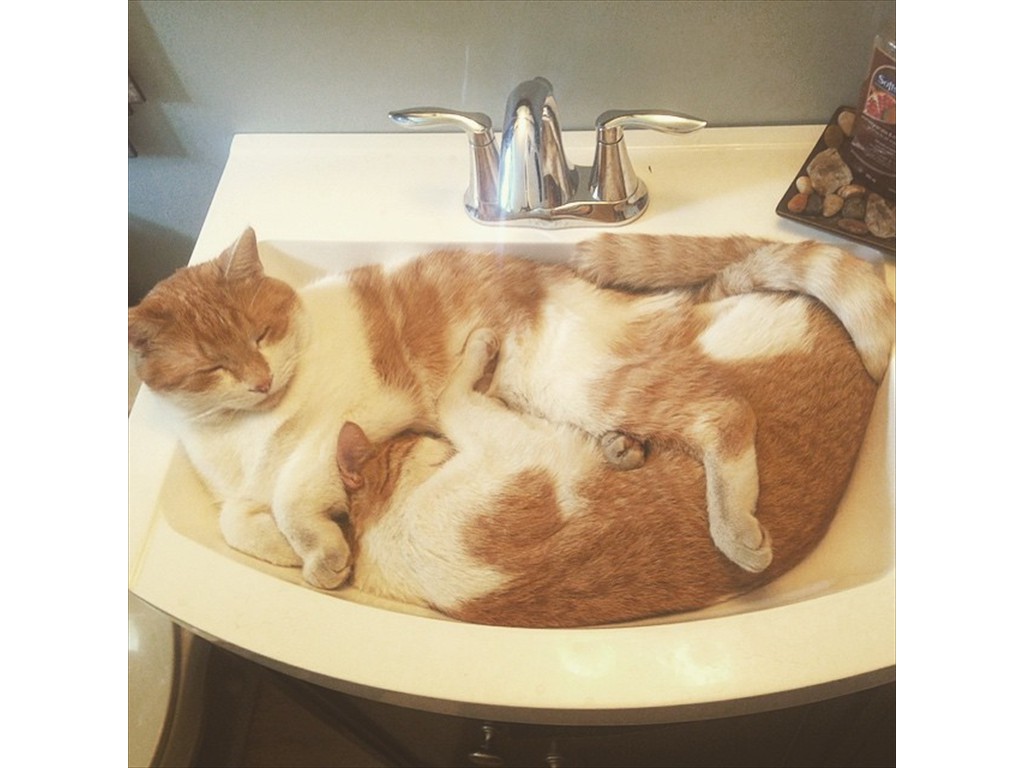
354,641
824,629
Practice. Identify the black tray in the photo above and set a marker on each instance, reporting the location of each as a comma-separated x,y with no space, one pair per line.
888,245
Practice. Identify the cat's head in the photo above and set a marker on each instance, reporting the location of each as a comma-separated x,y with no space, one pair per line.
376,474
220,335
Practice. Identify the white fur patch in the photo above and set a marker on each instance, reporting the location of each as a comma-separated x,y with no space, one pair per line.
552,372
755,326
415,552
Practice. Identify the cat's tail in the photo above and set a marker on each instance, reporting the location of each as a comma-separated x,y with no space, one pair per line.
725,266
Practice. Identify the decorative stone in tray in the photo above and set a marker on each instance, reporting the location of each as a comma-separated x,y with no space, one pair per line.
826,194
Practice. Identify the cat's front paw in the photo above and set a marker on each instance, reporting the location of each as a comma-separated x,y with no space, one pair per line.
475,368
278,552
481,347
327,569
255,533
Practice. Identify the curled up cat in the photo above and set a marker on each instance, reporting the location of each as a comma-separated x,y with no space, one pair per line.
512,520
672,342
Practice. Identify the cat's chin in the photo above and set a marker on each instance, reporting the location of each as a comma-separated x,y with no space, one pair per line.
222,405
271,400
259,404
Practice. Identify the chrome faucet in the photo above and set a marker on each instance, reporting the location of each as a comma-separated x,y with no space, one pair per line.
530,181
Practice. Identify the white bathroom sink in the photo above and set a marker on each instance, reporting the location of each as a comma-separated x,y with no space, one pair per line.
857,553
858,549
825,628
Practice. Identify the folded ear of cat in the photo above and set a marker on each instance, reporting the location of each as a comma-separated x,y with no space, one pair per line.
354,450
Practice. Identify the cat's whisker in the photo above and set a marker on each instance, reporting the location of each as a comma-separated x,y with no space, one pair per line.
201,416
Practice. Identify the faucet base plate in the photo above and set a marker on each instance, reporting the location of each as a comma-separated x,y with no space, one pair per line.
579,212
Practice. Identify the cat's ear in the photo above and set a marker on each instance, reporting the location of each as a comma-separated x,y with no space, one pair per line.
354,450
242,259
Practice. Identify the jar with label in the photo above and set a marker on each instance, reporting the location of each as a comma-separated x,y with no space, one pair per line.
872,148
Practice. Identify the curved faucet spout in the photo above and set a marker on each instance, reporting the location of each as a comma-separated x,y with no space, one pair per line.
533,168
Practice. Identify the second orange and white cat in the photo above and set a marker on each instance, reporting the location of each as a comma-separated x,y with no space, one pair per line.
512,520
630,338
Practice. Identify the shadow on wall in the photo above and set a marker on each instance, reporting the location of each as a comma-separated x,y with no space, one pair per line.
148,127
154,252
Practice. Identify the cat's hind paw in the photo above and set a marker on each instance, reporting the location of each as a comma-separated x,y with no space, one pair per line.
622,452
751,550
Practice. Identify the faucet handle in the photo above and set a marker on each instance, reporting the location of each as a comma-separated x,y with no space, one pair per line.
610,124
477,125
483,162
612,178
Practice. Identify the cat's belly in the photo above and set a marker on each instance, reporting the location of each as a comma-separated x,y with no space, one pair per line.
554,369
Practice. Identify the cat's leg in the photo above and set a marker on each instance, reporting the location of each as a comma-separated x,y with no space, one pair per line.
472,419
719,431
472,371
307,504
476,370
326,557
723,438
251,529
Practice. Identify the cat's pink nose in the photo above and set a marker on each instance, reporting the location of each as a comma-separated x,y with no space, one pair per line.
263,385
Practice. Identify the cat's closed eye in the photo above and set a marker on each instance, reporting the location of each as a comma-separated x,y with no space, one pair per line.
262,337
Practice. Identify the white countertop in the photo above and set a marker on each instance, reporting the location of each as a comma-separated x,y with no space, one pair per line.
406,190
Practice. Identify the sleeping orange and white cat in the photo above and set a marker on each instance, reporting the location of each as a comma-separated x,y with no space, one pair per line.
512,520
260,375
